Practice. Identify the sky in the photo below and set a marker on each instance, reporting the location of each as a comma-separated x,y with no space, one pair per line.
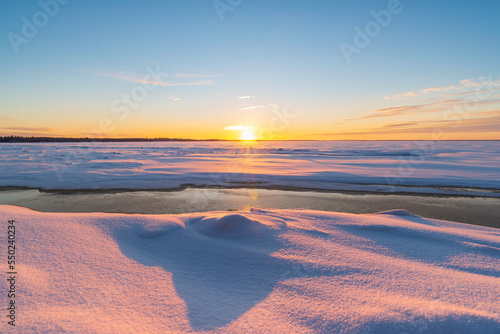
260,69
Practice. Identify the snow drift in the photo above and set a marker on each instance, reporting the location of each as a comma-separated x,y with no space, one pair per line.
261,271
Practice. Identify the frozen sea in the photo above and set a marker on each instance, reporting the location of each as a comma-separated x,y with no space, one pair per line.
431,167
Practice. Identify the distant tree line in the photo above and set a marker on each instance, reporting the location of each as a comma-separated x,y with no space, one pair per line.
22,139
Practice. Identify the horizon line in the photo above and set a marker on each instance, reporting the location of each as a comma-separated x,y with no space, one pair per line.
27,139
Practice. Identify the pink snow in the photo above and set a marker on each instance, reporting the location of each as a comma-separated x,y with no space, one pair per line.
259,271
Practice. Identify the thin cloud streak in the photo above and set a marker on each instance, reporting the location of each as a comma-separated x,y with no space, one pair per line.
147,81
422,108
187,75
490,122
259,107
34,134
473,92
35,129
462,84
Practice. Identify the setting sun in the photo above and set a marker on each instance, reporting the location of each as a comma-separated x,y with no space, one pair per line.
248,134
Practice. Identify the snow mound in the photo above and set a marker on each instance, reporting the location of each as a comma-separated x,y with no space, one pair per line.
278,271
230,226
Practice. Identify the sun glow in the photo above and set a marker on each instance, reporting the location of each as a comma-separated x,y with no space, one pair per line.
248,134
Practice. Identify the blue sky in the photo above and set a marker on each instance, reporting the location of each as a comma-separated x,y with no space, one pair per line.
284,56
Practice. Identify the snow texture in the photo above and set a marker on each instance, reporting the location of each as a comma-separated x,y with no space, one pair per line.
258,271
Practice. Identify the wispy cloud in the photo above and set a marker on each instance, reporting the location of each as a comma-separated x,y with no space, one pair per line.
5,118
481,122
401,125
173,98
254,107
246,97
403,110
260,107
467,84
28,129
432,107
482,95
148,80
187,75
477,92
237,128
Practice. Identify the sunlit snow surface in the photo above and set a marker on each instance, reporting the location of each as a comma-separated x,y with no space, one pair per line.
258,271
364,166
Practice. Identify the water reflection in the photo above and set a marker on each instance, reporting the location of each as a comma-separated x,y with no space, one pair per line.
480,211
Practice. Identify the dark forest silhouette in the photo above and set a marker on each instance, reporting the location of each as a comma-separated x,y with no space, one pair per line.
21,139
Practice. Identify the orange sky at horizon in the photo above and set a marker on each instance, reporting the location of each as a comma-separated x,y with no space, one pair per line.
430,114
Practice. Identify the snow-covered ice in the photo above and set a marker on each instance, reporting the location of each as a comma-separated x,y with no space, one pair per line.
403,166
257,271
